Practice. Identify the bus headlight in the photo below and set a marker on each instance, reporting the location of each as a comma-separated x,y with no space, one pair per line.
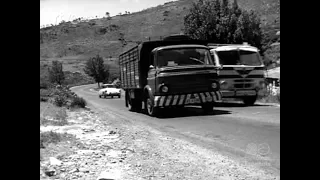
223,84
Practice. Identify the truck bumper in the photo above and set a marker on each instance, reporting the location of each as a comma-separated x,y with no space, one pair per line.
239,93
185,99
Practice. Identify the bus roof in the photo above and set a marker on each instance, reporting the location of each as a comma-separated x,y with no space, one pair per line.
235,47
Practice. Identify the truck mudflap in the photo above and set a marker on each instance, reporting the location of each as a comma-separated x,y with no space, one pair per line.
187,99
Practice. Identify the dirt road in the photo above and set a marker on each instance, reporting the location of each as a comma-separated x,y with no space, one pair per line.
233,143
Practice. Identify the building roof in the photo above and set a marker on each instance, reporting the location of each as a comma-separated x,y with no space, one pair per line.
273,73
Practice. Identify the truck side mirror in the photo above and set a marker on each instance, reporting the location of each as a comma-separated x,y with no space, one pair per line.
151,67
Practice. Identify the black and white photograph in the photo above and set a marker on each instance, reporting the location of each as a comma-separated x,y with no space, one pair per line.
160,89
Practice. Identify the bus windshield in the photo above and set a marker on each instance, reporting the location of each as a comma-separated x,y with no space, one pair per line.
183,57
239,57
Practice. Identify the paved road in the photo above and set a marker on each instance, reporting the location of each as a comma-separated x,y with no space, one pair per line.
242,133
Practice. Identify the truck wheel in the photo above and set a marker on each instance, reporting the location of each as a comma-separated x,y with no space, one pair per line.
99,96
130,106
134,105
150,109
111,96
119,96
250,100
208,108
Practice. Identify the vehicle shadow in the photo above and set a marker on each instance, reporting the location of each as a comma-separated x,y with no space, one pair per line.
188,111
236,104
109,97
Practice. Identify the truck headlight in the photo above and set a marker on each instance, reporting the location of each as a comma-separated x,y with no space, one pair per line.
164,88
215,85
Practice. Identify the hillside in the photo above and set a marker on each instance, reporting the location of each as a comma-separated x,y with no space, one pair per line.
74,42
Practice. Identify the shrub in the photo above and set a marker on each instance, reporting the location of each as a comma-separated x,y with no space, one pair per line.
43,99
45,92
165,13
78,102
43,85
60,100
102,30
91,23
49,137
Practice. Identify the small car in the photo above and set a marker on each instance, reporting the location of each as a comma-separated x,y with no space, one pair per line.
109,90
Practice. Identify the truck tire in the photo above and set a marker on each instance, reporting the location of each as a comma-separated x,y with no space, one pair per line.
250,100
119,96
149,107
130,104
99,96
133,104
207,108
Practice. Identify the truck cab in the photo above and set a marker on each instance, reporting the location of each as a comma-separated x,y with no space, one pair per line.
242,71
170,73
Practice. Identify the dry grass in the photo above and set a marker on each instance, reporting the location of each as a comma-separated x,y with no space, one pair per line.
52,115
54,144
270,97
49,137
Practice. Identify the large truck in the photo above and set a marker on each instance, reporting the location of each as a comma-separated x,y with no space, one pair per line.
174,72
242,71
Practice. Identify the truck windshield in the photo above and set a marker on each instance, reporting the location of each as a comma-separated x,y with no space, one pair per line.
240,57
183,57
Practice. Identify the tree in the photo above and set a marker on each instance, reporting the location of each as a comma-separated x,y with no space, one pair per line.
107,14
56,74
95,68
222,22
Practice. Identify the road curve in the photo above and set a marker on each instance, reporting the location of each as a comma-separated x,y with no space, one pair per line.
236,131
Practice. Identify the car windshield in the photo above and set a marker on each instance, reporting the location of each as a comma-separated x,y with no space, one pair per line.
109,86
240,57
183,56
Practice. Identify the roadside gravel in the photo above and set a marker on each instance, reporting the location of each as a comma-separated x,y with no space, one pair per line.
112,146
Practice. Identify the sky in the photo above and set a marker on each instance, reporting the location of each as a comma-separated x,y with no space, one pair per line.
54,11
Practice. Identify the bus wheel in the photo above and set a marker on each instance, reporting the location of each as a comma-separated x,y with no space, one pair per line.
250,100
